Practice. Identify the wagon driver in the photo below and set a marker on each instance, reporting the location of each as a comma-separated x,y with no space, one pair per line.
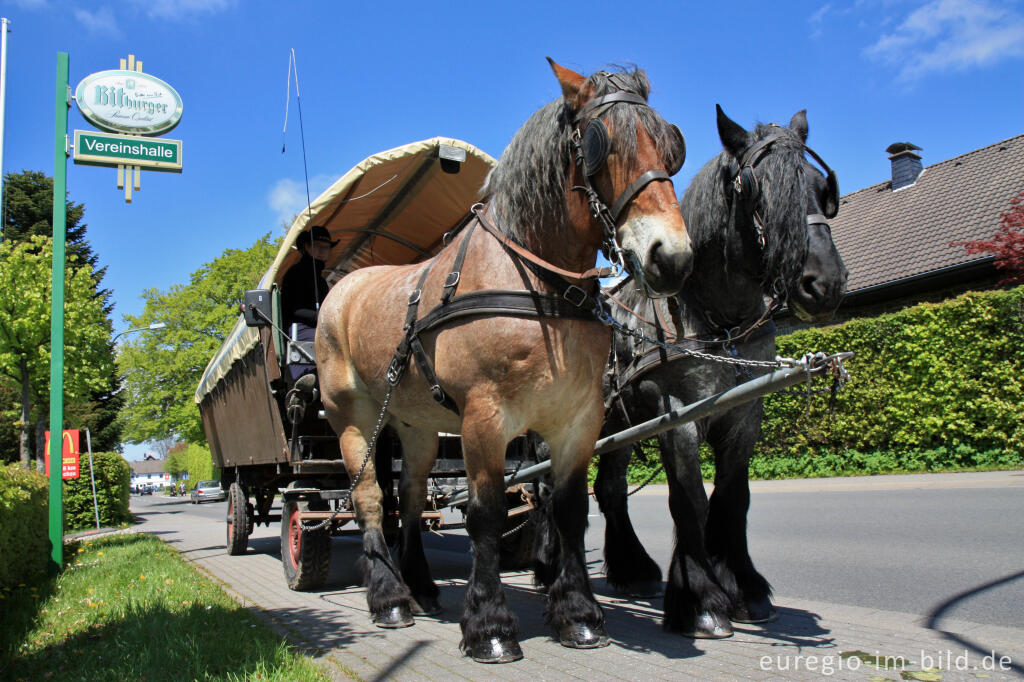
304,288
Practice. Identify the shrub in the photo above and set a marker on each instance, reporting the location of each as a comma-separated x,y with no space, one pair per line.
24,531
199,464
113,476
933,386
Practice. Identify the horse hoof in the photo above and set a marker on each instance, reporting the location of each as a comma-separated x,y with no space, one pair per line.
395,617
710,626
643,590
426,606
583,636
496,650
752,612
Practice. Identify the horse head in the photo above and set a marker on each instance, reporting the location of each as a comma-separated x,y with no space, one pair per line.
787,202
624,156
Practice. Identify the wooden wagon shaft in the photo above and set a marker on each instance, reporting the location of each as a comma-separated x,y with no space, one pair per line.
745,392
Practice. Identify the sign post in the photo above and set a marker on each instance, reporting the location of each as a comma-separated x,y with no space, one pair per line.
92,477
60,170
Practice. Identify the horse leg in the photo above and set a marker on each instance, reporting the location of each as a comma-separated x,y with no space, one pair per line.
412,499
695,604
628,567
726,535
386,595
489,628
572,611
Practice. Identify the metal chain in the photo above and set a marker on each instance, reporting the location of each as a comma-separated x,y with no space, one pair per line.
515,530
369,453
606,319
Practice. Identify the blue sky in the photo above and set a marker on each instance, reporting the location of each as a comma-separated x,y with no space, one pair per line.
945,75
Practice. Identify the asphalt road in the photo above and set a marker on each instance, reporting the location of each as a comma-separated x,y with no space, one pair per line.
953,552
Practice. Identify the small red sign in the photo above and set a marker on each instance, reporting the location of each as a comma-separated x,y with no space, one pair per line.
69,454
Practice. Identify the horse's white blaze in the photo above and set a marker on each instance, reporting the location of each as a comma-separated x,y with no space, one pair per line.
641,232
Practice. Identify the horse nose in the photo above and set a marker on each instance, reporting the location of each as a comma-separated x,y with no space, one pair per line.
667,268
812,288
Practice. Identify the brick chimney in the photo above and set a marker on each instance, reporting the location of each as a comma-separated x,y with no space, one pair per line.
906,165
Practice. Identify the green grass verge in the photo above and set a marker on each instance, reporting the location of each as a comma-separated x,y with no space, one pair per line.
127,607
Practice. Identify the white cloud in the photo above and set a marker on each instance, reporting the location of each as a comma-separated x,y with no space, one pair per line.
182,10
100,21
287,198
951,35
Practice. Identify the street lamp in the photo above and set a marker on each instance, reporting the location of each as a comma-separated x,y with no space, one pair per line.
152,327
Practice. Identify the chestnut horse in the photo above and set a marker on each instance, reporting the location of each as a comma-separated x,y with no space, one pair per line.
503,373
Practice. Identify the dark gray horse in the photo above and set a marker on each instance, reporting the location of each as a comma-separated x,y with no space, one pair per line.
756,214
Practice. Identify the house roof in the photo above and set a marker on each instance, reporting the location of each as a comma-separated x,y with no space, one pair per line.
148,466
886,236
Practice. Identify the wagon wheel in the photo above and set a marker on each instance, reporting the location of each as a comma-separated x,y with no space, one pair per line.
305,554
239,523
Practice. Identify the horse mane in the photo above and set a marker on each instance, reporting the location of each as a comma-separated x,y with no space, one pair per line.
708,210
527,188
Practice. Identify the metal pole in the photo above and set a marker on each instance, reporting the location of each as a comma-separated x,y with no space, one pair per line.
4,22
726,400
92,477
60,169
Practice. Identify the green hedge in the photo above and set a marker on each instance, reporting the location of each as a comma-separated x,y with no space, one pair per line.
935,386
113,477
24,533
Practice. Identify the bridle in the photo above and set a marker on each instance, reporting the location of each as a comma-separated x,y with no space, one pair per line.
746,187
590,149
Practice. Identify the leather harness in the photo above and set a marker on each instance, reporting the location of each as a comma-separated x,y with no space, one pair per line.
568,301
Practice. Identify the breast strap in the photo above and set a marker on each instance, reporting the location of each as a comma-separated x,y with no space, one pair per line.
568,303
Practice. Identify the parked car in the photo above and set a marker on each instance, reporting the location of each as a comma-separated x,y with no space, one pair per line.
145,489
208,491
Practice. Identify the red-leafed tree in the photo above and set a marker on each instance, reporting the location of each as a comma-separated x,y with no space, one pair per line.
1007,244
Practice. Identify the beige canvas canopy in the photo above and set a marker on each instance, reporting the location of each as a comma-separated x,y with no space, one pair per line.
392,208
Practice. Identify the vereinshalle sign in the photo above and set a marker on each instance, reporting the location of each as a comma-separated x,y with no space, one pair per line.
106,149
121,101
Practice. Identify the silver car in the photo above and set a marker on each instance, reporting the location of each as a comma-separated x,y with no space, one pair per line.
208,491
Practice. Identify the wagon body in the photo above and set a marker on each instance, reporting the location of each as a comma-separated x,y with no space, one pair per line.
392,208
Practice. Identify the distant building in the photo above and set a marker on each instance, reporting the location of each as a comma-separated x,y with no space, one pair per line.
149,471
895,236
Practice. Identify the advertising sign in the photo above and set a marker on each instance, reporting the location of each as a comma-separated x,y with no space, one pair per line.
69,456
121,101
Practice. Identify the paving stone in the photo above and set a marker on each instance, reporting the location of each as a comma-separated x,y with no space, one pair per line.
335,625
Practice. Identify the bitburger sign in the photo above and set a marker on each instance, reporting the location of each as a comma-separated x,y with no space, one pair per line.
133,102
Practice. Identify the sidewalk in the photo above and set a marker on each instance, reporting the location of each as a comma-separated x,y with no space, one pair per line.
804,643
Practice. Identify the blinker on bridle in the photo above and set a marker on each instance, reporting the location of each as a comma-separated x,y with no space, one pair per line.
591,149
745,184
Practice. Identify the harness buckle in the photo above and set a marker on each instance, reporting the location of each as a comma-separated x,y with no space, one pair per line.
394,372
452,279
414,297
574,295
438,393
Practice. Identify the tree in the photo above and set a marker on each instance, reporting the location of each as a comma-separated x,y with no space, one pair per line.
161,369
25,300
29,212
1007,244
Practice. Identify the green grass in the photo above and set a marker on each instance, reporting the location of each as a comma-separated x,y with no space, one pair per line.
127,607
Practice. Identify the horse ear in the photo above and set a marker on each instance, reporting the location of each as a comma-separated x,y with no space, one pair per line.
799,124
570,81
733,136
